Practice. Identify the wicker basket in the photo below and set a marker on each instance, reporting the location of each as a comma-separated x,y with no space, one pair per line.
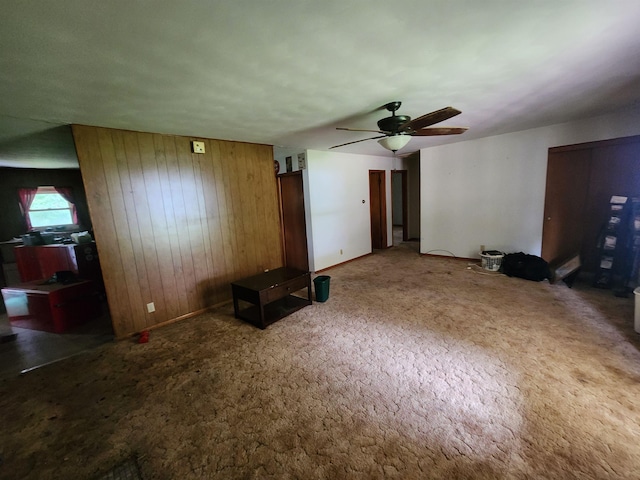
492,261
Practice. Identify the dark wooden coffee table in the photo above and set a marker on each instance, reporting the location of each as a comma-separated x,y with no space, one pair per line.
270,295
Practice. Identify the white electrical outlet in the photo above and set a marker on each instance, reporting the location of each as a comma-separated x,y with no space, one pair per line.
151,307
197,147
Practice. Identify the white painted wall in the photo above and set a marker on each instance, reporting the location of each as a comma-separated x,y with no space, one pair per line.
335,186
491,191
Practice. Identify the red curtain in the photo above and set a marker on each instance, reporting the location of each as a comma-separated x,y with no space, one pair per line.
67,194
26,196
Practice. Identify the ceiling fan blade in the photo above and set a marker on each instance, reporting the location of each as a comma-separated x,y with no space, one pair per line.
361,130
357,141
408,154
430,119
430,132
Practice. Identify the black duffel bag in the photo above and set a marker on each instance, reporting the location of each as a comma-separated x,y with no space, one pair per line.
522,265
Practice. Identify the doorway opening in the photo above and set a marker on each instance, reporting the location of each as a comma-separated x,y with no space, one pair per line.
405,195
24,347
399,198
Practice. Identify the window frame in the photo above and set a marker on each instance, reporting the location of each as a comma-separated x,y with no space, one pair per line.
50,190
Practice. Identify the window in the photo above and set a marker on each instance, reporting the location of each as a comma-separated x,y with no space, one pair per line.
49,208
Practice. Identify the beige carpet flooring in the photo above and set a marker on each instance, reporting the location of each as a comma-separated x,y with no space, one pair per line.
415,368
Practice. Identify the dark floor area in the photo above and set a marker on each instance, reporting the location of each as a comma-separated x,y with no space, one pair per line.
33,348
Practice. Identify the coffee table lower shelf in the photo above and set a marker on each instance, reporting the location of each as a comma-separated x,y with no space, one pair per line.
273,311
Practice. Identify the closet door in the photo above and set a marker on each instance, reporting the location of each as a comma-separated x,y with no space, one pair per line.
378,208
580,182
565,204
615,170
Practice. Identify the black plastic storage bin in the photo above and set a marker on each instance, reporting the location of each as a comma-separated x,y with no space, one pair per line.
321,284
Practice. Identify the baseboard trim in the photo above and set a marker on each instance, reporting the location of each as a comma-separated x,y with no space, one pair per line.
176,319
465,259
342,263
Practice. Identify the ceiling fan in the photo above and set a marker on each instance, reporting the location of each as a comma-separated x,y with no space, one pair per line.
397,130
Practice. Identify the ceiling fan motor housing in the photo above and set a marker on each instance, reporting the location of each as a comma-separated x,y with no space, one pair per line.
392,124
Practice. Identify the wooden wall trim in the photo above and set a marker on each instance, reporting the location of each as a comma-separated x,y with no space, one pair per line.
173,227
596,144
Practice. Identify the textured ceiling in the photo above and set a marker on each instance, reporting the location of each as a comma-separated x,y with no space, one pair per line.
288,72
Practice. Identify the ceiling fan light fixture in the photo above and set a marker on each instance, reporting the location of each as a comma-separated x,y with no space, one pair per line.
394,142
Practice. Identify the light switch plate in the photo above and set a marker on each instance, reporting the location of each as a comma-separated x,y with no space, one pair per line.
197,147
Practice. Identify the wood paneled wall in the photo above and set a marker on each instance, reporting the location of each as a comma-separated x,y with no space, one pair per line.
173,227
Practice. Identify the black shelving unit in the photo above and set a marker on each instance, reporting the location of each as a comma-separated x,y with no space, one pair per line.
619,247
